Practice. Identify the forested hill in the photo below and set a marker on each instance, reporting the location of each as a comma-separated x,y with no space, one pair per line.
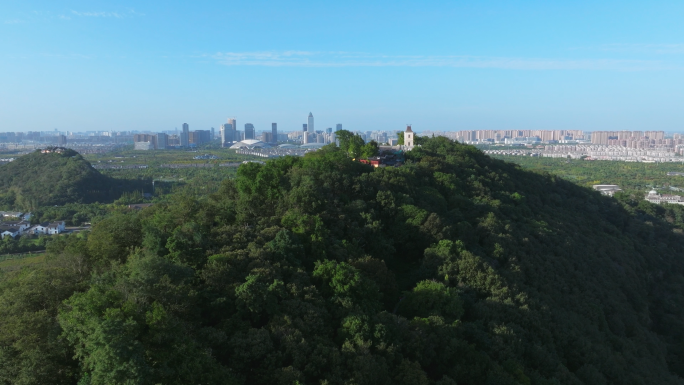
452,269
42,179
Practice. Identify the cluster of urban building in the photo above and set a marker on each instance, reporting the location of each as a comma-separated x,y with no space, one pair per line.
230,136
596,152
84,142
163,141
517,136
628,146
249,138
630,139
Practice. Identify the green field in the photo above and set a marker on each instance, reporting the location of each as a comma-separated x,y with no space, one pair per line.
18,263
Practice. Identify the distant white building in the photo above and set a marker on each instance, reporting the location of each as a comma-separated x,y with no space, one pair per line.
607,189
56,227
48,228
39,229
12,232
143,146
250,144
11,214
656,198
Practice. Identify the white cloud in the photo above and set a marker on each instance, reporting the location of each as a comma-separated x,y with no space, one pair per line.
646,48
118,15
350,59
674,48
96,14
13,21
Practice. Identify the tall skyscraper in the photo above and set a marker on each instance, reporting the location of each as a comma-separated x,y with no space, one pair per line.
338,127
310,126
227,133
249,131
162,141
274,132
185,135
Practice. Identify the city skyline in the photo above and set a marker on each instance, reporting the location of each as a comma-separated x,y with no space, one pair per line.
372,65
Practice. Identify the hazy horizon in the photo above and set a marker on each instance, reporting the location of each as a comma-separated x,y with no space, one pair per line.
379,65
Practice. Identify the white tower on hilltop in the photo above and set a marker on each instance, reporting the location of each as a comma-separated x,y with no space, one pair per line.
408,137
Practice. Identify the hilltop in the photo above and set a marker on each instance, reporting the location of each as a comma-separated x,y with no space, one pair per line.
50,178
454,268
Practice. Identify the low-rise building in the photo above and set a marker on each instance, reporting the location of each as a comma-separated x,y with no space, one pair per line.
11,231
48,228
656,198
607,189
11,214
19,225
39,229
56,227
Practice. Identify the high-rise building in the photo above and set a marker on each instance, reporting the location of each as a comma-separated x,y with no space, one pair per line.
227,133
338,127
185,135
305,134
213,133
62,140
310,126
274,132
249,131
162,141
309,129
199,137
233,122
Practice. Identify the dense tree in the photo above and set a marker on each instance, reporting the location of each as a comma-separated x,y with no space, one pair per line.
370,149
454,268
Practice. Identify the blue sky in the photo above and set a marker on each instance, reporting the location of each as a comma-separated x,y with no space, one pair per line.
439,65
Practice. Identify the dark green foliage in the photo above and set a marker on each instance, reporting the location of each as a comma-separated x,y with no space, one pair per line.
31,350
430,298
455,268
353,145
74,214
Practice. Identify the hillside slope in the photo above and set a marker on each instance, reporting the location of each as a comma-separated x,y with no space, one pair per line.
40,179
455,268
